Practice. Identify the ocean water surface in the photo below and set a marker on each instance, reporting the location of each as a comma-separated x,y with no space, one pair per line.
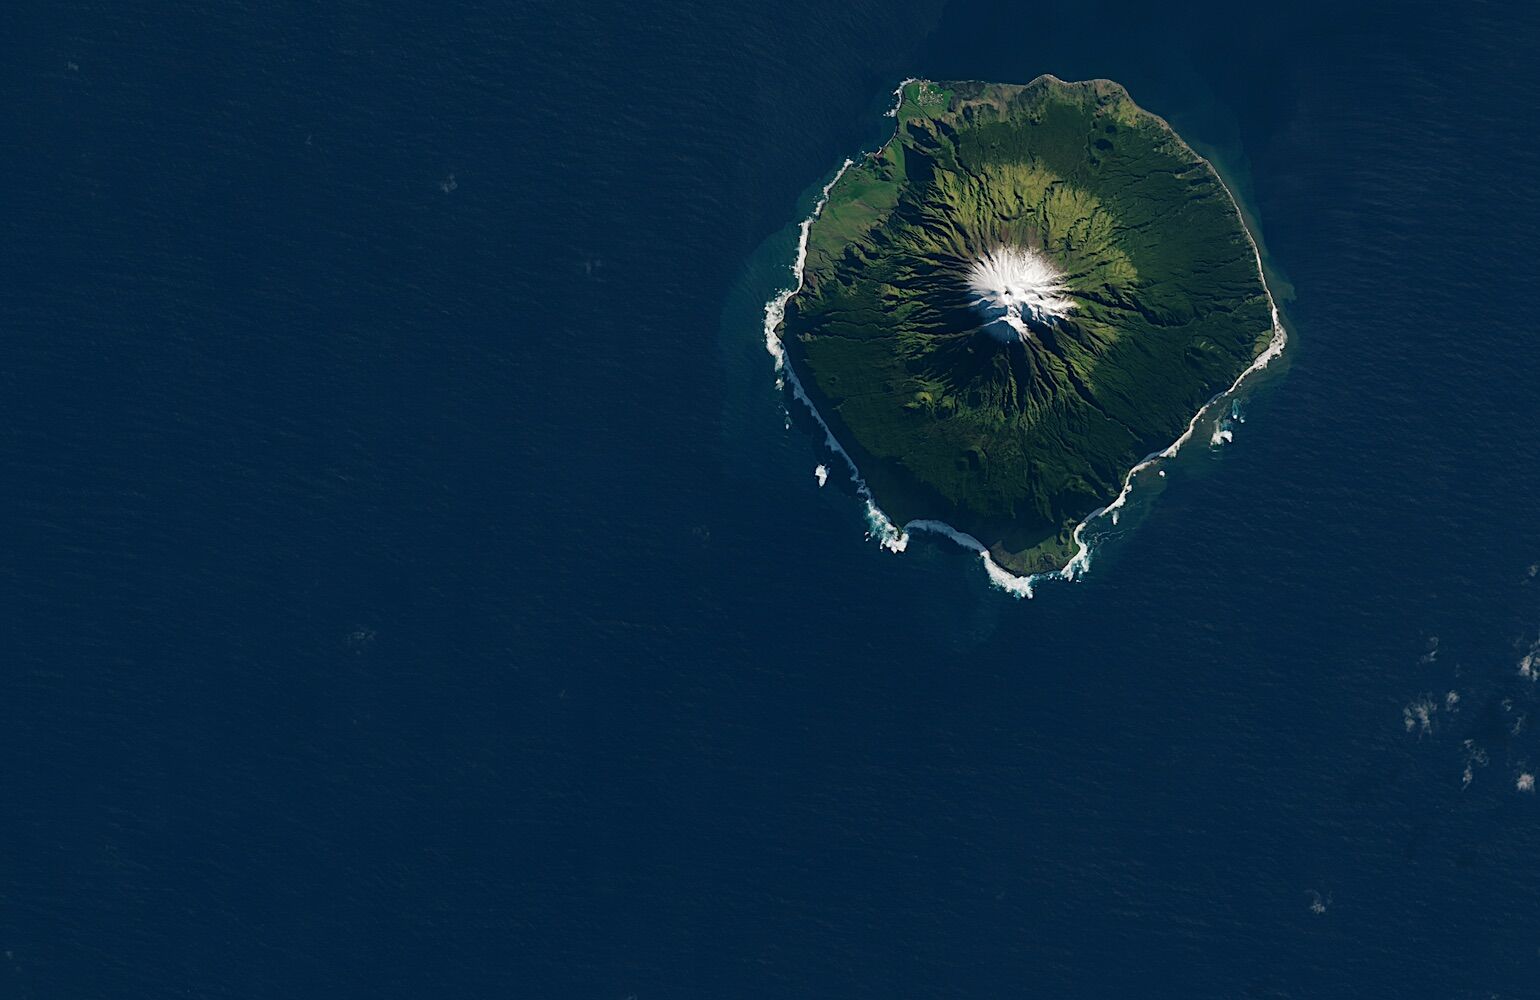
418,585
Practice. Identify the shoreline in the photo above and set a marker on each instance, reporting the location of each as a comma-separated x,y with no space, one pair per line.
879,525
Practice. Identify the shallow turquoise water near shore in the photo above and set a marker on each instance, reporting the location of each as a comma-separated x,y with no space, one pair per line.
417,590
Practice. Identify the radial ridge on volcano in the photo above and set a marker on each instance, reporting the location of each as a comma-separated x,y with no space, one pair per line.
1005,310
1015,285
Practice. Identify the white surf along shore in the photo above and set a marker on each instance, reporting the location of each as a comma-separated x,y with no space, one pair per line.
895,538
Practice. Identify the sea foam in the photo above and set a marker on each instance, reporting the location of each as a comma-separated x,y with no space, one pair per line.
895,538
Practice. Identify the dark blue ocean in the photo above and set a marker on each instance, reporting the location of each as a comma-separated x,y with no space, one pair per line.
413,589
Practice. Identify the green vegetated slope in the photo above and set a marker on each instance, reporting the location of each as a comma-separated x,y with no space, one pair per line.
1017,442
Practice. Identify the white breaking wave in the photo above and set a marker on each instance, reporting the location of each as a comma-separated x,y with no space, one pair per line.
1015,284
896,539
1224,427
878,525
1003,578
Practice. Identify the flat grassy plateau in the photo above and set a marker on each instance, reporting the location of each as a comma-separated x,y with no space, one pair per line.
1017,442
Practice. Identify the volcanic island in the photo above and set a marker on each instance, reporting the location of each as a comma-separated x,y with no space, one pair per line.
1027,291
